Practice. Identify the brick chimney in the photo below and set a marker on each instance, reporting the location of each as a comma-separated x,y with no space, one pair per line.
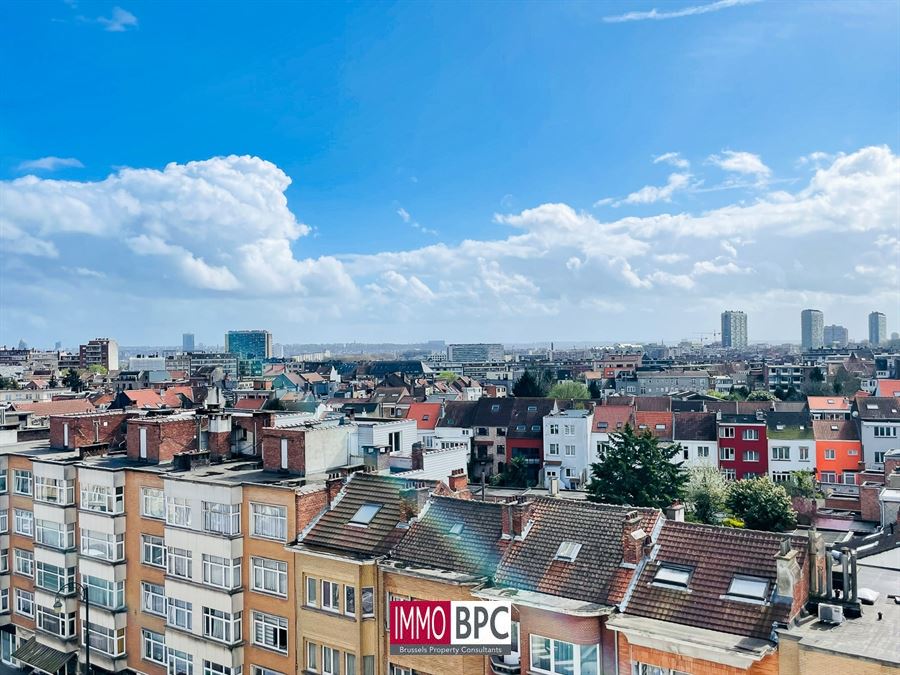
418,456
675,512
412,499
514,518
787,574
332,487
219,437
632,538
458,481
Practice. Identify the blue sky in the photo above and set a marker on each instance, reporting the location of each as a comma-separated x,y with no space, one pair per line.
500,171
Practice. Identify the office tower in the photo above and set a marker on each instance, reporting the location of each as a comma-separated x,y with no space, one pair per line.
187,342
249,344
734,330
474,353
812,329
877,328
836,336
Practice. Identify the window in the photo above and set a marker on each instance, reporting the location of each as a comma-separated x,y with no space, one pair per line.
221,572
24,562
269,522
554,429
729,474
673,576
259,670
848,478
804,453
4,521
3,486
852,452
570,450
495,407
880,432
22,482
456,529
55,535
103,498
24,602
23,522
180,562
154,646
349,664
828,477
781,476
153,550
4,560
331,596
520,427
153,598
270,631
268,576
751,434
312,586
751,455
830,453
564,658
553,449
108,594
350,600
180,663
51,621
726,454
367,597
331,661
879,457
178,512
568,551
368,662
104,546
52,578
365,514
312,656
54,491
221,626
781,454
210,668
748,588
153,503
222,518
726,432
639,668
180,613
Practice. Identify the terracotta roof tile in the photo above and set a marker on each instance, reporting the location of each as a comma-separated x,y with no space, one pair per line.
694,426
610,418
658,423
426,415
835,430
46,408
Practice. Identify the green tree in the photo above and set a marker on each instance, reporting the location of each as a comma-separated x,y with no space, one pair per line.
447,376
635,469
72,380
569,389
97,369
802,484
8,383
53,383
274,404
528,385
845,383
716,394
514,474
761,504
595,390
705,494
760,395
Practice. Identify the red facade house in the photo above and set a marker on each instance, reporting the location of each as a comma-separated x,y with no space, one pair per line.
743,445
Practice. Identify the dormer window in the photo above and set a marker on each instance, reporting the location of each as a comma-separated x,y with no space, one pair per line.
831,401
660,427
532,408
673,576
456,529
834,427
520,427
425,418
364,514
495,407
602,425
871,406
748,589
568,551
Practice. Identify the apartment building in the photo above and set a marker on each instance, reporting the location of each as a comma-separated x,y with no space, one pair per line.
838,451
609,419
792,446
99,352
828,407
568,451
743,446
878,420
695,432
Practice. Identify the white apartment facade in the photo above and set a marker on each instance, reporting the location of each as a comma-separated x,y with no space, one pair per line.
568,450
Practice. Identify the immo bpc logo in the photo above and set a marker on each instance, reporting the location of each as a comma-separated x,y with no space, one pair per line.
449,627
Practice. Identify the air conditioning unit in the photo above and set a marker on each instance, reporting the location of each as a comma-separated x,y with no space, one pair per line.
833,614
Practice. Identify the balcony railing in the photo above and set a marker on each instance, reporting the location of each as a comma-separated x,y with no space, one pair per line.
505,665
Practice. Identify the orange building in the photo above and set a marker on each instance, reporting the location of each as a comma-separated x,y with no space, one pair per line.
838,451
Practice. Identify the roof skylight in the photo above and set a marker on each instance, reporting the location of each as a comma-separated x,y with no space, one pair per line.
456,529
365,513
672,576
748,588
568,551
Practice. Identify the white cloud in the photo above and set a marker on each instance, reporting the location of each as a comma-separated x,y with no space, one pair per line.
650,194
729,248
50,163
741,162
673,158
119,21
702,267
85,272
406,218
670,258
404,214
655,14
604,202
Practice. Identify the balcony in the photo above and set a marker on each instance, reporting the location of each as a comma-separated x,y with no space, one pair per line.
506,665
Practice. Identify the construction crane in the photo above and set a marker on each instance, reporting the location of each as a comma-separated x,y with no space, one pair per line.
714,333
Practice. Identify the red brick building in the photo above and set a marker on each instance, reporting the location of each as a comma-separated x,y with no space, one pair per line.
743,445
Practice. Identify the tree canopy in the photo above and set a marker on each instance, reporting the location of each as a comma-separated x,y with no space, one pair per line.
637,470
705,494
72,380
569,389
529,385
594,389
761,504
447,376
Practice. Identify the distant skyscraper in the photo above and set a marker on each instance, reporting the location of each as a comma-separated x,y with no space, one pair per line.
249,344
877,328
836,335
734,330
812,329
187,342
58,345
475,353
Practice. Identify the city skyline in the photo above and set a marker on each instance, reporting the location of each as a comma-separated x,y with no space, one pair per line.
279,206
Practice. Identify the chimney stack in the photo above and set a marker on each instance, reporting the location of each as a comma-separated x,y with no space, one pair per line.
675,512
787,573
515,517
632,538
